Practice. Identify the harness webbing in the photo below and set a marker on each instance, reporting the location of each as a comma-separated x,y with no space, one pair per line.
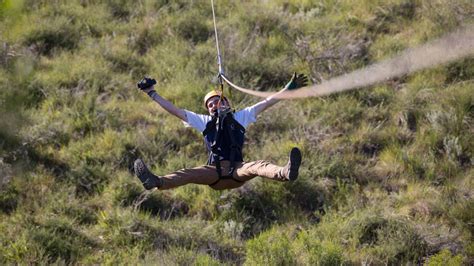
220,123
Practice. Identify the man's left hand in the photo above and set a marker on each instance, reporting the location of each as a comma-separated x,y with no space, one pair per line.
297,81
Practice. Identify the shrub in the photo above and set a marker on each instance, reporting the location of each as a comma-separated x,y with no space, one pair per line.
122,9
88,179
160,204
306,195
79,74
126,61
96,150
147,36
182,256
193,27
462,212
445,257
8,196
460,71
52,34
83,214
311,250
256,208
388,239
61,240
272,247
15,243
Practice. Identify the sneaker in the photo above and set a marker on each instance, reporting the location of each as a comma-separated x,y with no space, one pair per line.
149,180
291,169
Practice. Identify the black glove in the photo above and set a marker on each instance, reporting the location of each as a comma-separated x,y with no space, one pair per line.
297,81
146,83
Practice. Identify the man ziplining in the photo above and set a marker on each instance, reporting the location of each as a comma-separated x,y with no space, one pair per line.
224,131
224,135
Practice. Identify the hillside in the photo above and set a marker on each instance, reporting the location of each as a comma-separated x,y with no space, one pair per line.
387,173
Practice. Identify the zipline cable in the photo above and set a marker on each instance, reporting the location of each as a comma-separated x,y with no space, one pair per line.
219,57
449,48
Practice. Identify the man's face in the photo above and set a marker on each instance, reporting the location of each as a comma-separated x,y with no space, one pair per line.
213,104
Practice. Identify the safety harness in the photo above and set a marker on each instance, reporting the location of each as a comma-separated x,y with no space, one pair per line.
224,138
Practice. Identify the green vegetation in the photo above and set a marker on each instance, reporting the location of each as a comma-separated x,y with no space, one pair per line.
387,176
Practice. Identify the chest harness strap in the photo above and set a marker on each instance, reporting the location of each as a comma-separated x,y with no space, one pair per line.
224,126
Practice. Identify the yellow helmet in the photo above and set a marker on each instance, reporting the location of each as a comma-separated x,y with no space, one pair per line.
211,94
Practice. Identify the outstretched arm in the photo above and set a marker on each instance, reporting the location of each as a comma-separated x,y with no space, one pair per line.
265,104
165,104
297,81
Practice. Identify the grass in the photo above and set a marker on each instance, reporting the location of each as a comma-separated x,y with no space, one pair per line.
387,171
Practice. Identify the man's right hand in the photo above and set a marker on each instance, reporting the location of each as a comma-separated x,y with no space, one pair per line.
146,84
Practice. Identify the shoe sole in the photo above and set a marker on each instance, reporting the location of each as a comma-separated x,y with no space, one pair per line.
139,167
141,171
295,162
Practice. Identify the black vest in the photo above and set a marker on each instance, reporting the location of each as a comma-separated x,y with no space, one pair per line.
224,138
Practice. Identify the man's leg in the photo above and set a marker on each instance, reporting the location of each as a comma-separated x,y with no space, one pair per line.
266,169
204,175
